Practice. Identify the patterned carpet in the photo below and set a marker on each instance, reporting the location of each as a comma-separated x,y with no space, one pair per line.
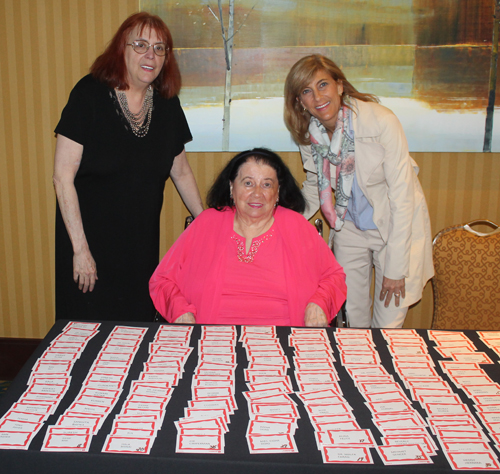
4,385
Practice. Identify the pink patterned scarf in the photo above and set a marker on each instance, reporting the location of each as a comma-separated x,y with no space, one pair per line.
338,151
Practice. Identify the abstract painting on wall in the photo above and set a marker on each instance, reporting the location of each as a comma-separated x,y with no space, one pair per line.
427,60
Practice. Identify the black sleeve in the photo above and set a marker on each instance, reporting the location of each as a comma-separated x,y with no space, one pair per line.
76,117
182,132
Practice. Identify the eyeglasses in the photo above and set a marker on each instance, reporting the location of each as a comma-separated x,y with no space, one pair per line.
142,47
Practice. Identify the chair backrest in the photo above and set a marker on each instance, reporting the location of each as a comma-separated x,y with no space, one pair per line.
466,283
318,223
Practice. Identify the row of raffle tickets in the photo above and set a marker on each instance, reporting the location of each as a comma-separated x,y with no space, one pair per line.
437,397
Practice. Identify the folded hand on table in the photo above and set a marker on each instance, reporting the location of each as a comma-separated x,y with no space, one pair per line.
186,318
315,316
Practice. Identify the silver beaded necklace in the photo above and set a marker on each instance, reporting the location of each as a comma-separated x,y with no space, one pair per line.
139,122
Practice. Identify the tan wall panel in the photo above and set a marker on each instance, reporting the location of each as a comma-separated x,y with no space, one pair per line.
53,44
459,187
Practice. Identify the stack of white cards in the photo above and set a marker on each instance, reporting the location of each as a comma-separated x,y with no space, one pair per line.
338,435
100,391
272,413
413,365
207,414
405,439
461,437
491,339
49,381
136,427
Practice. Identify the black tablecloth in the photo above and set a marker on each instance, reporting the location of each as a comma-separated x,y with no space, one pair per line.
236,458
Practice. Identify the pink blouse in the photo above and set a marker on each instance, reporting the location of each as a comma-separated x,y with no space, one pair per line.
201,273
261,297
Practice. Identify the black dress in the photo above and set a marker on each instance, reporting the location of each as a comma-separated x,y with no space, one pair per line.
120,186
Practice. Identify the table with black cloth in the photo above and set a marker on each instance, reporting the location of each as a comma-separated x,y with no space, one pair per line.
236,457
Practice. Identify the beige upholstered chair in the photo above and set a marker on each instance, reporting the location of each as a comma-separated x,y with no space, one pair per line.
466,283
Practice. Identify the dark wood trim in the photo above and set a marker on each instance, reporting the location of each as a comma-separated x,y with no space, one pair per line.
14,352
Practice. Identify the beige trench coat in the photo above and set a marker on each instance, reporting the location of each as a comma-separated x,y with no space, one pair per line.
387,175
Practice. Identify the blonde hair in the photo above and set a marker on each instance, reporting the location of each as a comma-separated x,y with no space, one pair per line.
300,75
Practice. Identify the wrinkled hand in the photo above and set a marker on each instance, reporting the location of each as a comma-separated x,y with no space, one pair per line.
186,318
315,316
84,270
392,287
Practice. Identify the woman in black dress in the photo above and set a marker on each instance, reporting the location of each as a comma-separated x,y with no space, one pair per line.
120,136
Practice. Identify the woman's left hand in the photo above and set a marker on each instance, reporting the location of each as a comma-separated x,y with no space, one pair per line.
392,287
186,318
315,316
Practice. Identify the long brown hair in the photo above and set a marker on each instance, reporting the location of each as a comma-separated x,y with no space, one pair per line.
301,74
110,67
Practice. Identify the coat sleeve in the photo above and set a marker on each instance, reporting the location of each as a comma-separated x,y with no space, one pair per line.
310,185
399,175
165,283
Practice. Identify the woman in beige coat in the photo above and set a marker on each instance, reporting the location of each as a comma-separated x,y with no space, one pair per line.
379,219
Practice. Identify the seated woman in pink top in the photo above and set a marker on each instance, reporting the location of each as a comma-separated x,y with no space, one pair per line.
251,258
